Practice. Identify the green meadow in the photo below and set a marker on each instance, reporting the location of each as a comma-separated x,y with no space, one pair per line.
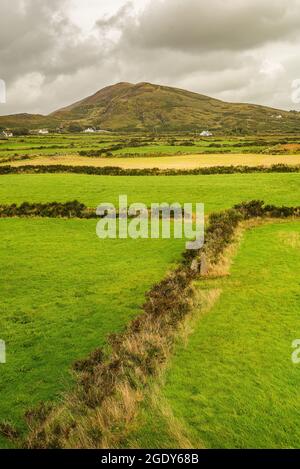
231,383
63,290
143,144
217,192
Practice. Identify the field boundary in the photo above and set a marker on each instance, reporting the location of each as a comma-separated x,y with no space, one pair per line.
112,382
73,209
117,171
66,210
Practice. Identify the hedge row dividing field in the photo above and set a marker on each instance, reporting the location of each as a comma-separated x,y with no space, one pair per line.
110,384
48,369
64,290
150,171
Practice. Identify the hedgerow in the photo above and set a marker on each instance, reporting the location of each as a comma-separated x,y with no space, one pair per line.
111,381
73,209
117,171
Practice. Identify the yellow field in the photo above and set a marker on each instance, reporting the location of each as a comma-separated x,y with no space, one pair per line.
167,162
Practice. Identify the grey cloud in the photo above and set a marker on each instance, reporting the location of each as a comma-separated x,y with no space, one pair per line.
216,48
223,24
36,36
116,20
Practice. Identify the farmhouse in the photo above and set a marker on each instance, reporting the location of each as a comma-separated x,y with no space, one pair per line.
206,133
6,134
89,130
43,132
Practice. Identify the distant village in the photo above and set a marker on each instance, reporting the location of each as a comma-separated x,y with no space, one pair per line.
9,133
90,130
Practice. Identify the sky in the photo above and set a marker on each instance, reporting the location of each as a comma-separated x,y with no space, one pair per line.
55,52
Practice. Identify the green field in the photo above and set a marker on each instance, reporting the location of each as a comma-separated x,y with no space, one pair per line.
233,384
216,191
142,145
62,291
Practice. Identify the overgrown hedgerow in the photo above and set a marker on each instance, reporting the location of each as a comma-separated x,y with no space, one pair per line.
73,209
111,382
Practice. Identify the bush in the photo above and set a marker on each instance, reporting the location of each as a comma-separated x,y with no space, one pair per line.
50,210
116,171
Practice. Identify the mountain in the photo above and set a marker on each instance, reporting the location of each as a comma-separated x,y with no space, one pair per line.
144,106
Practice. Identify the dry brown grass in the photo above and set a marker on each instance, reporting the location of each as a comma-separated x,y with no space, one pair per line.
166,162
205,301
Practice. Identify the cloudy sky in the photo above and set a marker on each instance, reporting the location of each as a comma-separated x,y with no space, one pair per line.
53,52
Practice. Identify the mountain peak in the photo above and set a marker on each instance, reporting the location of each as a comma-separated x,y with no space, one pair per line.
147,106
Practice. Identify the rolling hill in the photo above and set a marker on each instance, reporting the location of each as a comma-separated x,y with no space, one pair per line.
145,106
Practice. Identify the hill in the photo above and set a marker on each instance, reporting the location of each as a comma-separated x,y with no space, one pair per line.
145,106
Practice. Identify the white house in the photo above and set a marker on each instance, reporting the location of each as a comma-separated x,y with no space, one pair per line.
206,133
7,134
89,131
43,132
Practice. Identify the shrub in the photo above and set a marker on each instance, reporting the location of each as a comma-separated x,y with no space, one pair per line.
116,171
51,210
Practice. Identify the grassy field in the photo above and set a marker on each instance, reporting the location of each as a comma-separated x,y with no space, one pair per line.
167,162
139,146
62,291
233,384
216,191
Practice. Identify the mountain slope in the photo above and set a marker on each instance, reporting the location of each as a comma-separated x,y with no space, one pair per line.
145,106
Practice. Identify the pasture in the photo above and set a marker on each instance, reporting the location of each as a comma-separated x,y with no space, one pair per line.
217,192
103,147
231,382
63,290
